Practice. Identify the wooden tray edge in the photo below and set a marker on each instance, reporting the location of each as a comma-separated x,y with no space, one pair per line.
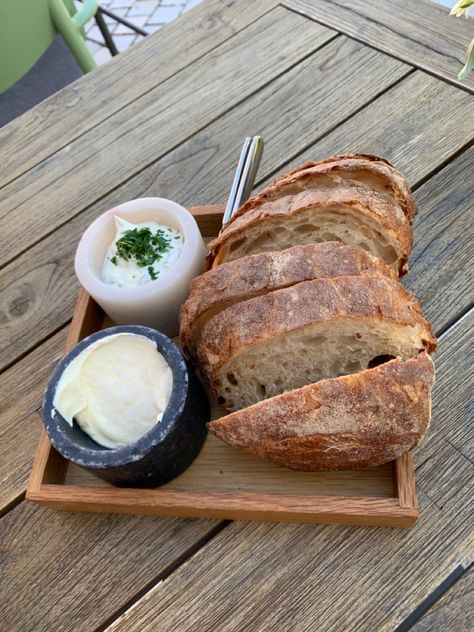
360,511
46,487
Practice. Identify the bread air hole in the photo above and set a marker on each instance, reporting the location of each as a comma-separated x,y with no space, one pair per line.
378,360
232,379
261,390
304,228
236,245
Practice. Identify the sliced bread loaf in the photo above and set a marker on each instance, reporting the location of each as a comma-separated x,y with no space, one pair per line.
313,330
254,275
351,215
360,170
350,422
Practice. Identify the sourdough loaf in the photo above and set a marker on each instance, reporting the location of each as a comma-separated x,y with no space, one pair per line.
350,422
254,275
360,170
352,215
307,332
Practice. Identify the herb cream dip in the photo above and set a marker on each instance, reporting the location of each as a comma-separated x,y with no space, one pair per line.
140,253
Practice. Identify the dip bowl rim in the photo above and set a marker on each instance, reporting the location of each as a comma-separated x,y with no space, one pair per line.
102,458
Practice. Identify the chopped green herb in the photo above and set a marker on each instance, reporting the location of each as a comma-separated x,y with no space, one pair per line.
152,273
114,260
177,237
143,246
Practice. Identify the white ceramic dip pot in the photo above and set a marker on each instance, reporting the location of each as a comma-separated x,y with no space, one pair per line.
156,303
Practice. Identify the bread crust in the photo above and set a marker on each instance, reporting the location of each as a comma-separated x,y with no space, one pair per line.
352,422
254,275
345,164
244,325
364,203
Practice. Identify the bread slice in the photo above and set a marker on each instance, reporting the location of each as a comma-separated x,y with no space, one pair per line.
310,331
354,216
352,422
254,275
360,170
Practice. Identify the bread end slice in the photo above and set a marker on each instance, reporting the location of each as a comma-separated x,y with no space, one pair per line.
352,422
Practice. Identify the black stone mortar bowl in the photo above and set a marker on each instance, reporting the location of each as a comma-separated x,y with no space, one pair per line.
163,452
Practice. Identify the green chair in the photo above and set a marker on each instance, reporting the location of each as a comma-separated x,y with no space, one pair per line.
42,49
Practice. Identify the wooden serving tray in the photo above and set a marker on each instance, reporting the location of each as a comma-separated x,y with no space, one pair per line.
223,482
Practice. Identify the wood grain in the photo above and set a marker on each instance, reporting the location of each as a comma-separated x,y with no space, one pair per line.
418,125
21,389
405,481
67,572
420,33
287,117
129,140
362,511
458,376
453,611
452,430
444,231
221,468
83,105
347,579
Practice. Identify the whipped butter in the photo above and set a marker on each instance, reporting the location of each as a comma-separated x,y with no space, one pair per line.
139,253
116,389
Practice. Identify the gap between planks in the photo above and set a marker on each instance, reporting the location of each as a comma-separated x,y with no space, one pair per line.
455,320
286,163
163,575
37,344
12,504
299,8
456,154
432,598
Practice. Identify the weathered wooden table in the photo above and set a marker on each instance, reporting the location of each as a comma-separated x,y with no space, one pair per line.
167,118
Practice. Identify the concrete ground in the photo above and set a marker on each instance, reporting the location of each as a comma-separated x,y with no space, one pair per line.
150,15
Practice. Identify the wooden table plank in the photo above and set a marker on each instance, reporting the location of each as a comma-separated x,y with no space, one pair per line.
453,611
83,105
454,377
442,274
412,125
324,578
39,288
80,174
72,571
262,577
419,32
207,160
22,388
